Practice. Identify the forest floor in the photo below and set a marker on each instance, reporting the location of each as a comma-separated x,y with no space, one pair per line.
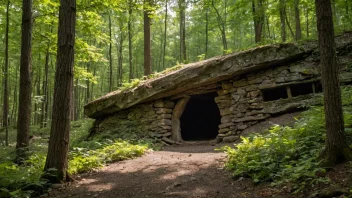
190,170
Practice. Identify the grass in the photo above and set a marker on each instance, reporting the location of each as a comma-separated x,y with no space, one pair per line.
24,180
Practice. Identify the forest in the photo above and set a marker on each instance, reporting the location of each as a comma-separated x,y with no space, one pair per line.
57,56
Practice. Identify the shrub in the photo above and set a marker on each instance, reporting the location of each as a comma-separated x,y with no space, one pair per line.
288,154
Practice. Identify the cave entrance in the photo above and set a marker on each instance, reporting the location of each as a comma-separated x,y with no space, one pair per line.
200,118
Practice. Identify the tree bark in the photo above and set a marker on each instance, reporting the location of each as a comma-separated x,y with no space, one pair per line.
45,89
147,42
165,34
222,27
130,40
110,56
183,52
24,110
258,18
336,146
206,32
56,161
6,77
298,21
282,5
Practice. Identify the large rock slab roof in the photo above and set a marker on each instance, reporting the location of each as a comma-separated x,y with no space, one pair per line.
206,72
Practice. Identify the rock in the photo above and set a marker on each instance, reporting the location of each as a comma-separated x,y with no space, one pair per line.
215,141
221,126
225,112
167,140
195,75
163,111
166,134
57,186
222,92
240,83
242,127
251,118
164,116
227,86
224,130
225,119
230,139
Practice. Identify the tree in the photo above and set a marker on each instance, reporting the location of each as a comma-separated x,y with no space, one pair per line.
298,21
56,162
24,110
336,146
182,9
258,18
282,5
6,77
147,42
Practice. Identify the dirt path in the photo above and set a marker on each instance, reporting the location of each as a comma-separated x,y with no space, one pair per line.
192,170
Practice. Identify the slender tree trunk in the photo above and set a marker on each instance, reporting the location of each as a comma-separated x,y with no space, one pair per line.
165,34
298,21
289,27
120,55
6,77
258,18
130,40
24,110
88,85
282,5
147,42
45,89
206,32
307,22
14,106
336,146
110,56
183,53
60,128
222,27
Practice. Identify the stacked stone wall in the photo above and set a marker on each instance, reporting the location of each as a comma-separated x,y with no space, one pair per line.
143,120
240,100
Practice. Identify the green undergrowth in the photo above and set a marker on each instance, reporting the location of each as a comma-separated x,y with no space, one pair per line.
288,155
24,180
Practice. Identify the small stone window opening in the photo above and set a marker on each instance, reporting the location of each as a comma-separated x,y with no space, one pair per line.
274,94
290,91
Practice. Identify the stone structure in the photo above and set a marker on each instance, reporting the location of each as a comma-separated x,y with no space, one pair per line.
250,87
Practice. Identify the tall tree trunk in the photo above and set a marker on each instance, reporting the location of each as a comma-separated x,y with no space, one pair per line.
206,32
336,146
289,26
120,55
24,110
56,161
298,21
258,18
43,119
15,105
307,22
147,42
88,85
183,53
165,34
222,27
110,56
130,40
6,77
282,5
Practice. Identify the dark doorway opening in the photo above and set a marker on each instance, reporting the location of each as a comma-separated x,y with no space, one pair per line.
201,118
